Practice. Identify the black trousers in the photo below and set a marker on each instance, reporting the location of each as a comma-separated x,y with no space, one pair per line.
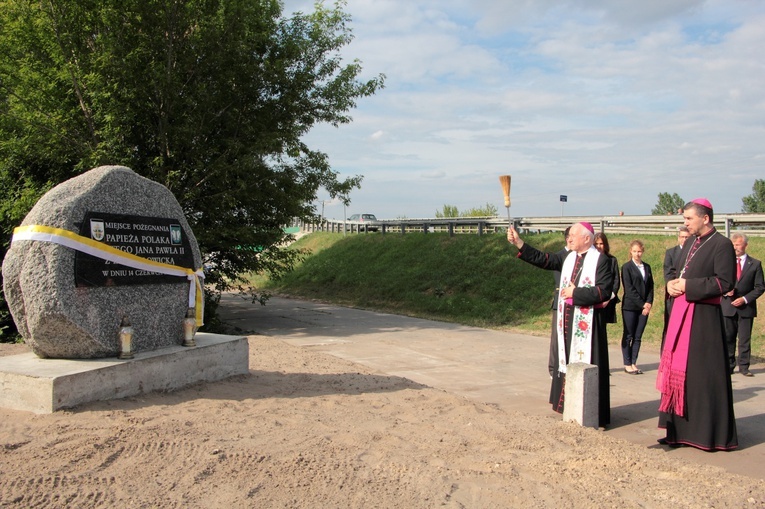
634,323
741,327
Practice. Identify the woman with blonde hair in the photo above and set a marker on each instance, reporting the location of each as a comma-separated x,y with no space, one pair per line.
637,281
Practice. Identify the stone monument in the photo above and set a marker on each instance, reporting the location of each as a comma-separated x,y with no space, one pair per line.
100,248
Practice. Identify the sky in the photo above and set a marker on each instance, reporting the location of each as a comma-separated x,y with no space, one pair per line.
608,102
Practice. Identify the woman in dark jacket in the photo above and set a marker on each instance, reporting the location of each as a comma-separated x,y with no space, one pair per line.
637,281
601,244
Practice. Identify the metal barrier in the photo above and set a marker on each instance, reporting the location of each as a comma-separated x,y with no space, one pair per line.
750,224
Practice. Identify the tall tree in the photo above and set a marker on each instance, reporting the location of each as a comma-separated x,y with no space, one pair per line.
755,202
668,204
209,97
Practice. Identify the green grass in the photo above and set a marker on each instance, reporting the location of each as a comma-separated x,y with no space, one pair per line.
468,279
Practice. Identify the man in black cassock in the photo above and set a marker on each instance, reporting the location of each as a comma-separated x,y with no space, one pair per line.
577,297
696,395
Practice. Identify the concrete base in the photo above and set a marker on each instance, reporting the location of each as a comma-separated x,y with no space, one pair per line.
43,386
581,404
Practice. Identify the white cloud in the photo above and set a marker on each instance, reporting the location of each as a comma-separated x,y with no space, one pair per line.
608,102
433,174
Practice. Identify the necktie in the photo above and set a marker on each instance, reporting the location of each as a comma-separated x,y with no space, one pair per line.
738,268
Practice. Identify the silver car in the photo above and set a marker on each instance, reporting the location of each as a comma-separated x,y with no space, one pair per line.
368,221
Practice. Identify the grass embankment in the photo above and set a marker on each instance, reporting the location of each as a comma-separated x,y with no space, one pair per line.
468,279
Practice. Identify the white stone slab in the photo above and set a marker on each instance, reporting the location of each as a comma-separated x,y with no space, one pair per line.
30,383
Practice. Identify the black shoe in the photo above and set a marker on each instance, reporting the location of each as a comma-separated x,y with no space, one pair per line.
746,372
663,441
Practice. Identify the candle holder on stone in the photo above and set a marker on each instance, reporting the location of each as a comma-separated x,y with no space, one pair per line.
126,339
189,328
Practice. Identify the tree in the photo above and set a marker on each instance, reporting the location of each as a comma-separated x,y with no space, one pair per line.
451,211
209,97
755,202
488,210
448,211
668,204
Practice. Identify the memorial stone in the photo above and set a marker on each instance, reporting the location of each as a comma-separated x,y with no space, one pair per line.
68,302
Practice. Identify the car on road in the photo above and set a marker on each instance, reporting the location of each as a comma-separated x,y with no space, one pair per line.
367,222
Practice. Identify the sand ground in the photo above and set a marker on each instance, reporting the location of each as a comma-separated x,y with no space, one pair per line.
307,429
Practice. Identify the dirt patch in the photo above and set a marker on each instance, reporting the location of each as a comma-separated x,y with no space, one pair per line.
305,429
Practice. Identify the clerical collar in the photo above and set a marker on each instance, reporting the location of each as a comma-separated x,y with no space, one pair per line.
710,232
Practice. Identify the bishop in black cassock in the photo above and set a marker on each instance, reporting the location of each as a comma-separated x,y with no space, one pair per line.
697,397
582,238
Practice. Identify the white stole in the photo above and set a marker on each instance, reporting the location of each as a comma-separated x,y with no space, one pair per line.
581,337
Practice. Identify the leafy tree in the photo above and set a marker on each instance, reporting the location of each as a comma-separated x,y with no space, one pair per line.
448,211
209,97
487,210
668,204
755,202
451,211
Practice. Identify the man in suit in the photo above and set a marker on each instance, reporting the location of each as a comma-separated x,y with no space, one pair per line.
739,306
671,256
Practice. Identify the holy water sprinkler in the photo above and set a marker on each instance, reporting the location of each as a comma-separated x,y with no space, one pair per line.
505,181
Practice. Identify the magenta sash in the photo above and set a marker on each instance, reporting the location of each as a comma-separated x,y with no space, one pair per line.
674,358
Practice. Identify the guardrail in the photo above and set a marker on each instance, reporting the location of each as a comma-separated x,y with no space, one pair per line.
749,224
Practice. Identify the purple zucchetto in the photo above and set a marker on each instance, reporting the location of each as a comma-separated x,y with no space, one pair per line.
588,226
703,202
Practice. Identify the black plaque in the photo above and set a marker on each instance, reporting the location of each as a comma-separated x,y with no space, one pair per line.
154,238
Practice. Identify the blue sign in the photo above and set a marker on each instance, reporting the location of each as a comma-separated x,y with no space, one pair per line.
563,198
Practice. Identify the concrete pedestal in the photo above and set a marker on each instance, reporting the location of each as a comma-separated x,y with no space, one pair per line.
30,383
581,404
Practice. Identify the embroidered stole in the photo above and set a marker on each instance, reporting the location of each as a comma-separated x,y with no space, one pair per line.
581,336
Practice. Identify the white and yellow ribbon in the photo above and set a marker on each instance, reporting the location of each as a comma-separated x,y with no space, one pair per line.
105,252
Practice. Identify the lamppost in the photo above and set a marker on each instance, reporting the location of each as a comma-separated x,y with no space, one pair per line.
321,221
346,200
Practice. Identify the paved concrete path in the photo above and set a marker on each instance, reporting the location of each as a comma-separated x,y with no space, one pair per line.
502,368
